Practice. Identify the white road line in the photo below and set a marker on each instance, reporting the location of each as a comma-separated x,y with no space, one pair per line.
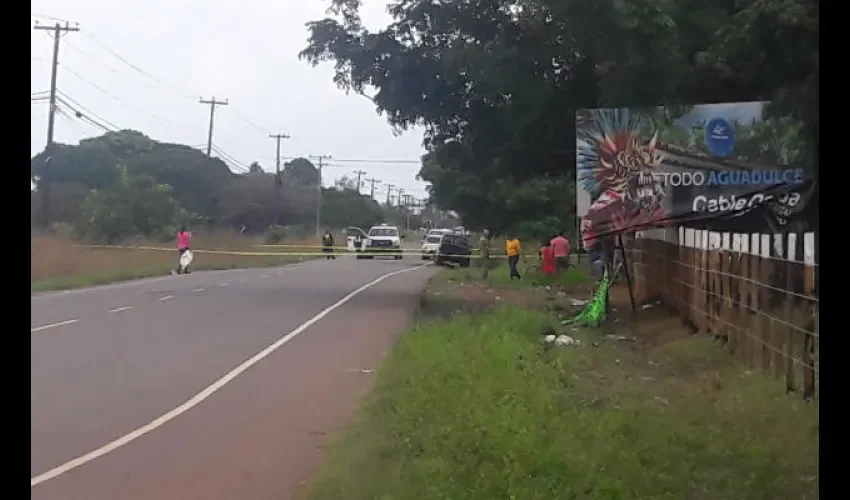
167,297
119,309
223,284
198,289
53,325
209,390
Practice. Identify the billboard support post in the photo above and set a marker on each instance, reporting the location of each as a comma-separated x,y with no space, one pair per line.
622,248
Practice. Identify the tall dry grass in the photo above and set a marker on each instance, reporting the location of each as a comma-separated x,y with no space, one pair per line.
60,262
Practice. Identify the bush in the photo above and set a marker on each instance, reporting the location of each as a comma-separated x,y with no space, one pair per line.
275,234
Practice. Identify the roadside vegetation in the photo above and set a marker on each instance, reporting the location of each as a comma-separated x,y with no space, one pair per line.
58,263
471,404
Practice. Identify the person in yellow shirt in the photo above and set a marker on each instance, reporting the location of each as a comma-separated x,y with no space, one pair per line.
513,249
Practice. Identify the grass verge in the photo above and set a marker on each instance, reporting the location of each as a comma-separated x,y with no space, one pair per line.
475,407
61,263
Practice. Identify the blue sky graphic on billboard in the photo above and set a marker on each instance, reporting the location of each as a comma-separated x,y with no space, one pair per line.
639,168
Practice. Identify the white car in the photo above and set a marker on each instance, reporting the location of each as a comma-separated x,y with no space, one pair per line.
384,238
431,242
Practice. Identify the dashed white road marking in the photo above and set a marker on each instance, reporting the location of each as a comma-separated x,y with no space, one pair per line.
209,390
167,297
119,309
224,284
53,325
198,289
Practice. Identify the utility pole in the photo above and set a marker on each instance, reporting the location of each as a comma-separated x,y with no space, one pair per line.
359,173
389,192
320,158
213,103
372,182
400,196
277,137
43,184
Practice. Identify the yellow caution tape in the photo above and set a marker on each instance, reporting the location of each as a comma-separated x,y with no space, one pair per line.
379,253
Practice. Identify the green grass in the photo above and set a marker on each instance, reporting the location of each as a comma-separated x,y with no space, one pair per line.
475,407
86,280
529,270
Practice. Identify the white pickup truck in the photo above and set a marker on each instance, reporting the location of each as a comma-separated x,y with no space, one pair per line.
380,239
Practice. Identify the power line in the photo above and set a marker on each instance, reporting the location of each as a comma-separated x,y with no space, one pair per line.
399,162
175,90
226,156
79,114
417,162
122,101
95,59
90,112
139,70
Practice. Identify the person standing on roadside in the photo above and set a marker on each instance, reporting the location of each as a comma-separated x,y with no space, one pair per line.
484,253
547,258
184,238
561,248
513,249
328,245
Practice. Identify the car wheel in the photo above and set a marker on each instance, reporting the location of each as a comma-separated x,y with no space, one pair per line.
464,263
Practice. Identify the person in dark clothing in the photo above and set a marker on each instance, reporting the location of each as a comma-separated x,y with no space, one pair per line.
328,245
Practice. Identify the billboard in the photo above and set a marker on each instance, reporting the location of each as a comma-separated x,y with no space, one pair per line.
639,168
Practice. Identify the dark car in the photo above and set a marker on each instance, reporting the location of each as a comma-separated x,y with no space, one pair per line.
454,248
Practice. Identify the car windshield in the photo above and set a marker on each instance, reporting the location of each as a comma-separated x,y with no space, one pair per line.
383,231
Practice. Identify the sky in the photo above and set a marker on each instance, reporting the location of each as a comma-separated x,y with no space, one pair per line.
145,65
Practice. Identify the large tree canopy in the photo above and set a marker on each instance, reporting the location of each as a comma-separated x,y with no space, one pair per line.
495,83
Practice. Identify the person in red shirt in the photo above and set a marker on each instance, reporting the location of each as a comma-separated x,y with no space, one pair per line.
184,238
561,248
547,255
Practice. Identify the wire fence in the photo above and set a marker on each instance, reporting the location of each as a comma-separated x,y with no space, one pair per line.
756,292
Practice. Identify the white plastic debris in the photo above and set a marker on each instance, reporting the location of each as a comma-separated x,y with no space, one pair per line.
549,339
579,302
565,340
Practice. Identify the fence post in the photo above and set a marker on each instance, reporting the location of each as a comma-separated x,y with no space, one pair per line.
791,267
778,267
811,319
702,283
755,300
732,290
743,295
764,293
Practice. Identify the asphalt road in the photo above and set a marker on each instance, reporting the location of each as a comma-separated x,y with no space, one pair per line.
207,386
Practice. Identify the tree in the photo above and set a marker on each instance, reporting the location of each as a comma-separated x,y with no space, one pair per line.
343,208
255,168
301,172
134,205
496,83
346,182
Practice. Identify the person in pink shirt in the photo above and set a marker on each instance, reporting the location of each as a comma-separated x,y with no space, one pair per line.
561,248
184,238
